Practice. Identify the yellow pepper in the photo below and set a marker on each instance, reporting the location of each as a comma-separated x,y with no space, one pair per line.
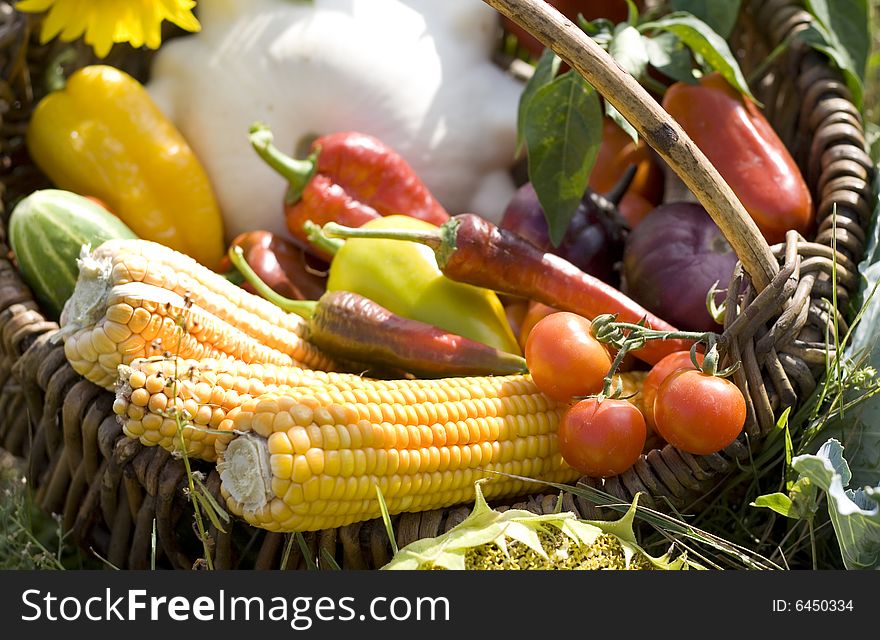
102,135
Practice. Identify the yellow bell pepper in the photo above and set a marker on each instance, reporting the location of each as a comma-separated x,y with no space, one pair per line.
102,135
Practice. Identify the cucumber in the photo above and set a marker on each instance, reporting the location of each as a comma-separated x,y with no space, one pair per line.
47,230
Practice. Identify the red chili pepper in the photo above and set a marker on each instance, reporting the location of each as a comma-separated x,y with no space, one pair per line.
281,264
357,330
349,178
473,250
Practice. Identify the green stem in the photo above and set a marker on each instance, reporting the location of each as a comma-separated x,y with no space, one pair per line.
54,76
607,392
433,239
756,75
303,308
629,336
296,172
319,240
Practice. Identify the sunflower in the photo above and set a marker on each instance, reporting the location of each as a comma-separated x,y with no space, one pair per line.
104,22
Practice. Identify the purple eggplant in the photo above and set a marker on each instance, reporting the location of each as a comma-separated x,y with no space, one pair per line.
672,259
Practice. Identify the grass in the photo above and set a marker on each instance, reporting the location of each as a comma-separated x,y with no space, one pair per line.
29,538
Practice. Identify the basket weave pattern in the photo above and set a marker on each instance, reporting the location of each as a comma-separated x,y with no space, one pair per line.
110,489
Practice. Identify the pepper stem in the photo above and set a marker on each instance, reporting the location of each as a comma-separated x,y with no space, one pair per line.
316,237
296,172
433,239
302,308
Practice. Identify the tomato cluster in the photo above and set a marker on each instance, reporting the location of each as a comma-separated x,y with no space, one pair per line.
601,436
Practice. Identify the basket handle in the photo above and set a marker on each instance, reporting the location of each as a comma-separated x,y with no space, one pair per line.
653,123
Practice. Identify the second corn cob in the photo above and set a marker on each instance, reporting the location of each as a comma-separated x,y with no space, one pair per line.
151,391
137,299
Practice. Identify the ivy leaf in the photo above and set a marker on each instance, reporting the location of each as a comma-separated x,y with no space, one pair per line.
705,43
563,131
545,71
720,16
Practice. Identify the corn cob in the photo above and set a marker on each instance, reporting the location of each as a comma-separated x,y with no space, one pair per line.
205,390
133,297
309,459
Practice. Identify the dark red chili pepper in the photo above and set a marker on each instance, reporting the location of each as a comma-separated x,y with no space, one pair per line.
281,264
349,178
353,328
473,250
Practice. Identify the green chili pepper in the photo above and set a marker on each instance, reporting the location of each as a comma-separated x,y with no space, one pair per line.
404,278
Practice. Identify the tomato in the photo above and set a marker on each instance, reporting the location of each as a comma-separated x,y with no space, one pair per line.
601,439
534,313
699,413
658,373
564,358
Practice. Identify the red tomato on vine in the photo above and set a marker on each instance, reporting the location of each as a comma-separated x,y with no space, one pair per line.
699,413
602,439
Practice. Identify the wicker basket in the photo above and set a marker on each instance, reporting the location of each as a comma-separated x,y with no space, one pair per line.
110,489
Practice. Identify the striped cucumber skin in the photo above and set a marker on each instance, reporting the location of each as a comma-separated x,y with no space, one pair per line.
46,232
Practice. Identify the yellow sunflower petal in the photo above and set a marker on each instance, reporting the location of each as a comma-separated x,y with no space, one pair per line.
101,28
180,13
34,6
78,21
59,18
149,18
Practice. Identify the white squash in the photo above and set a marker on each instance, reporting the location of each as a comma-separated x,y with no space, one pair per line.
417,74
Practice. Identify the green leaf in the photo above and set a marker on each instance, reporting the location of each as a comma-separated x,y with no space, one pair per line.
855,515
545,71
628,49
563,131
819,38
778,502
622,122
872,139
720,16
704,42
669,56
848,25
632,12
